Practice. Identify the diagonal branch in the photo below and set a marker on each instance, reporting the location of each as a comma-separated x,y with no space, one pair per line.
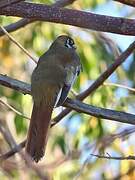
12,151
13,109
120,86
108,72
71,17
18,44
17,25
6,134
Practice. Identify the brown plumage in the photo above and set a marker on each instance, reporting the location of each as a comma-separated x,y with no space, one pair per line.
51,81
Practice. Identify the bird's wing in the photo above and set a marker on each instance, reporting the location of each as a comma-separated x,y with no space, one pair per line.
72,72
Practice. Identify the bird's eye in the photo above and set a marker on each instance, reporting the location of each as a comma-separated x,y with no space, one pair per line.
70,43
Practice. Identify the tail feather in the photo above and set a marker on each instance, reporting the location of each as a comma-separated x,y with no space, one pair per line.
38,131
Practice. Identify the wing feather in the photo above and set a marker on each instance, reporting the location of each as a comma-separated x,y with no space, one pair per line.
72,72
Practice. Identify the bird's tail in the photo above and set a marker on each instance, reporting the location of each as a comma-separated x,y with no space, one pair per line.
38,131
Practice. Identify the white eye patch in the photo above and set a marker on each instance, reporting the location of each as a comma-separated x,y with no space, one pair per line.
69,43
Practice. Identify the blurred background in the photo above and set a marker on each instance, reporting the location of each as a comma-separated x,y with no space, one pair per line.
77,136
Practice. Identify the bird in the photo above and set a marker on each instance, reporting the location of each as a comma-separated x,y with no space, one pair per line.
51,82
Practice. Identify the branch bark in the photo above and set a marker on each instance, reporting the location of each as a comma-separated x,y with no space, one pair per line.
4,3
25,21
127,2
17,85
12,151
74,104
100,112
71,17
17,25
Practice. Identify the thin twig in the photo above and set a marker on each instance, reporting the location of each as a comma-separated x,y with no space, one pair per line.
13,109
123,117
18,44
103,142
130,157
119,85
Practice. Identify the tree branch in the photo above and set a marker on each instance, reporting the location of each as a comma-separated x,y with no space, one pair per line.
100,112
120,86
12,151
71,17
17,25
127,2
6,134
62,3
74,104
4,3
99,81
25,21
17,85
130,157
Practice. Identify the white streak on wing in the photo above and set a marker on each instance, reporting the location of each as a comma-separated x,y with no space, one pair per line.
72,74
58,97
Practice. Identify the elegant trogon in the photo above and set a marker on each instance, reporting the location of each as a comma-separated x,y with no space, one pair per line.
51,81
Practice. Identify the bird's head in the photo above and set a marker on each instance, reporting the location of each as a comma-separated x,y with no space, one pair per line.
64,42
